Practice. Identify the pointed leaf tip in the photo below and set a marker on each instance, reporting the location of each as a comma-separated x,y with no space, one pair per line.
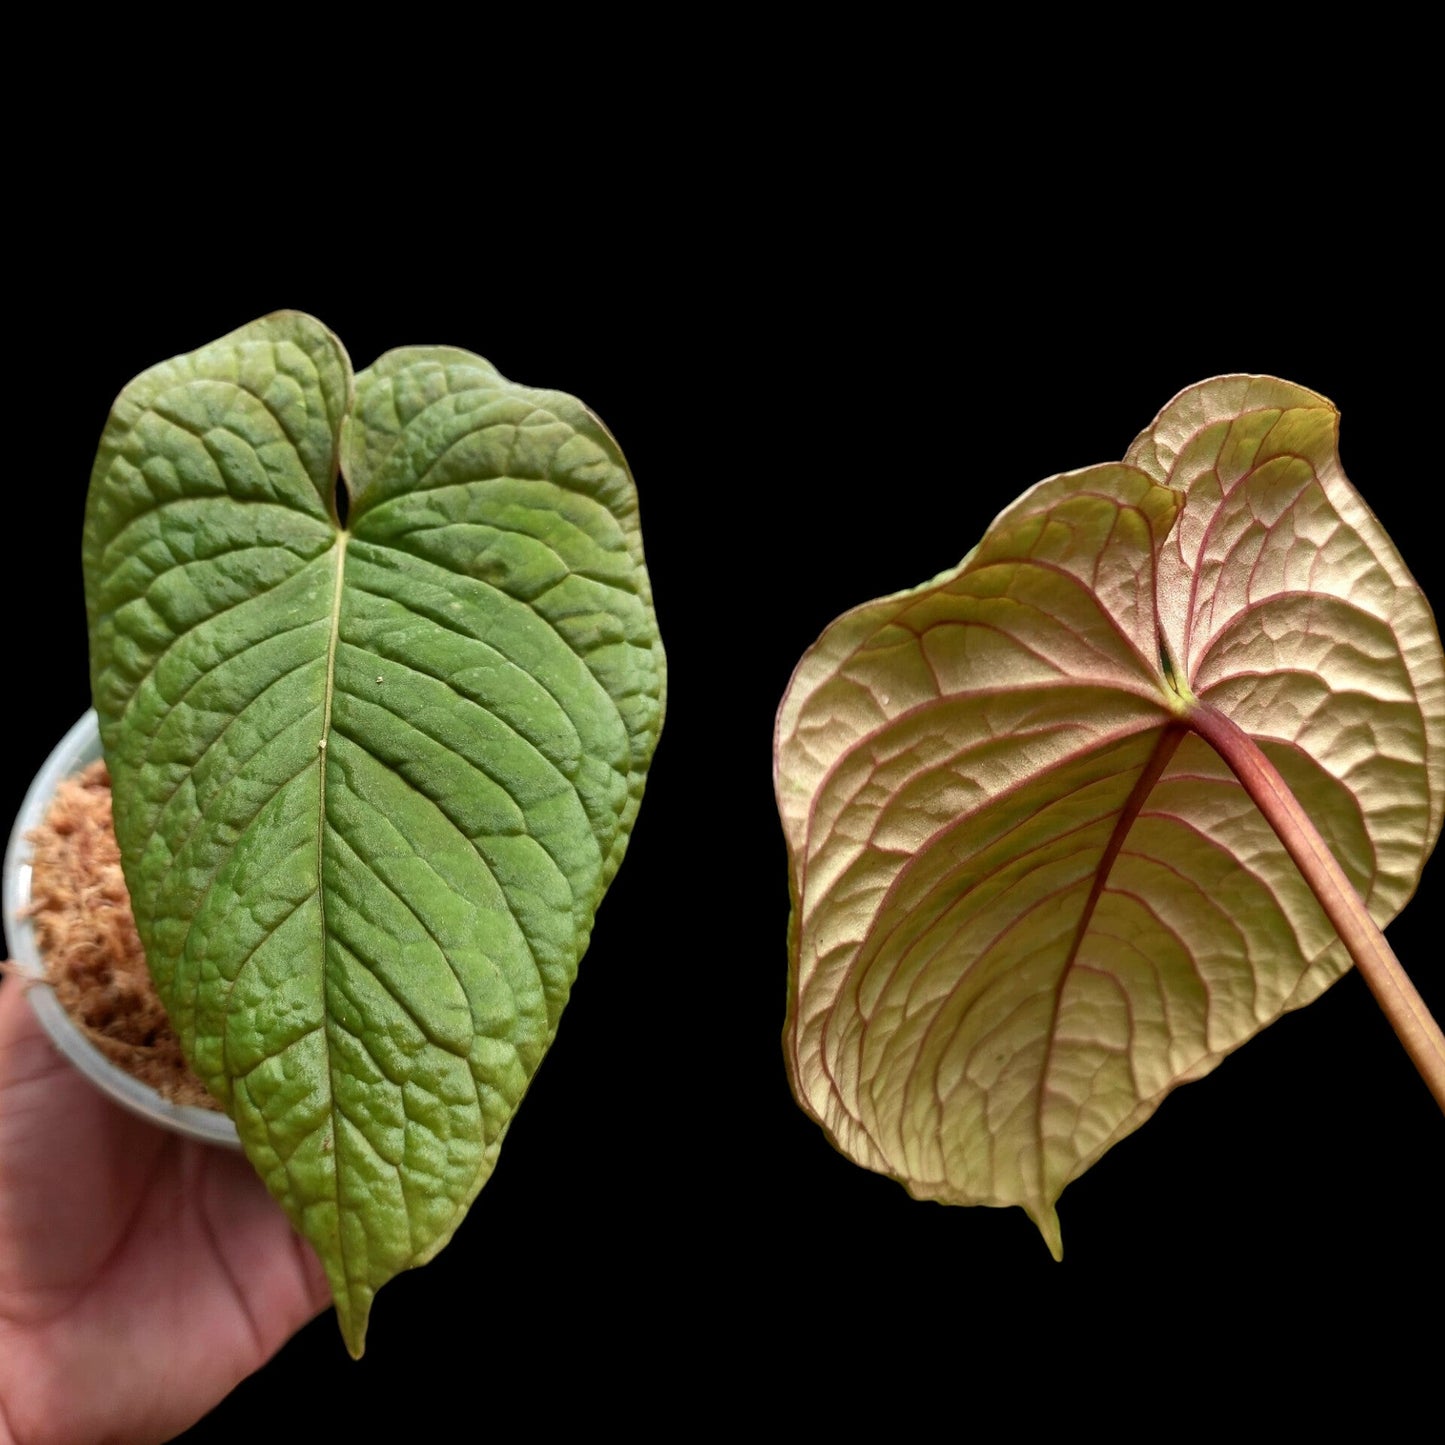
1047,1222
354,1335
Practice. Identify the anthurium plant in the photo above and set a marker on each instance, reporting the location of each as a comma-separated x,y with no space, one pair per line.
1069,823
378,680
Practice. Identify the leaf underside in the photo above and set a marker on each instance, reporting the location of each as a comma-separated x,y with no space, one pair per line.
1028,900
371,781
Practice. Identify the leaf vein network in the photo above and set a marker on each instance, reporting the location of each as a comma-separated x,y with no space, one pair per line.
452,580
227,854
396,539
1098,744
211,617
204,437
298,439
508,662
499,782
454,826
245,963
204,815
484,706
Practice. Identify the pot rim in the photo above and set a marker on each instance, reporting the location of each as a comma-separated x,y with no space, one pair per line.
79,746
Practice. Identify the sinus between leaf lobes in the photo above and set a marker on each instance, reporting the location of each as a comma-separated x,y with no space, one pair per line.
1178,695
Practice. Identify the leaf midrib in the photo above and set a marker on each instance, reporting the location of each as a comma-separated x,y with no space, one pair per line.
1170,737
334,630
334,1112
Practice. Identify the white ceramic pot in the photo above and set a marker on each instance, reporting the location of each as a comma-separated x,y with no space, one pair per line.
81,745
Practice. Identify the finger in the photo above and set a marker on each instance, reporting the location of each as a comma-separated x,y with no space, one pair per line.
72,1162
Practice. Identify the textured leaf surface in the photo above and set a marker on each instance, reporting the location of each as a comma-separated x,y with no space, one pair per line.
370,781
1028,900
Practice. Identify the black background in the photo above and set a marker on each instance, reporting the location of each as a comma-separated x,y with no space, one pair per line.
819,406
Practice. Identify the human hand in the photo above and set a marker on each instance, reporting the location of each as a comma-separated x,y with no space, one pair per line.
142,1275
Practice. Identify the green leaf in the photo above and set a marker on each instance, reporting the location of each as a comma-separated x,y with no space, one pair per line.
1029,900
370,781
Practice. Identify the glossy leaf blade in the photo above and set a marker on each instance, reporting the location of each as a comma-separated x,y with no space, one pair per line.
1028,901
371,782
